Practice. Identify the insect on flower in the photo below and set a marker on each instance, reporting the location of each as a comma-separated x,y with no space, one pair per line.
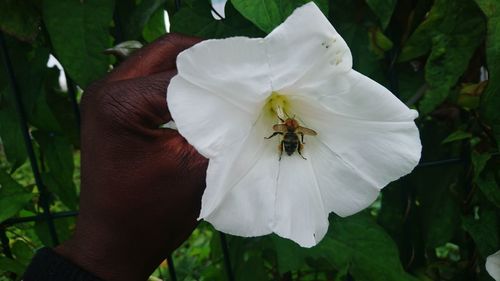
290,130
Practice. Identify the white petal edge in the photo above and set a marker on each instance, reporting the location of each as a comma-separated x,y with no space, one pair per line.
241,183
208,121
235,68
305,44
493,265
379,151
355,96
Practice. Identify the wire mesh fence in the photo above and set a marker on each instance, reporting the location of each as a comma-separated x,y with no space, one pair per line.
47,215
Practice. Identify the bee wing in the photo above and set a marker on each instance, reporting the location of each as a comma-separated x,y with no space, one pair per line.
282,128
305,131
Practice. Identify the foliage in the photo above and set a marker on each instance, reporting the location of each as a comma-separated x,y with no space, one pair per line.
440,57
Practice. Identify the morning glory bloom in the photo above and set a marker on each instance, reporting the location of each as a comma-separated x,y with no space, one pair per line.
493,265
353,135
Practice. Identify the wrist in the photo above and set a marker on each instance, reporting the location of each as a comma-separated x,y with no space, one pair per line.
106,258
82,257
48,265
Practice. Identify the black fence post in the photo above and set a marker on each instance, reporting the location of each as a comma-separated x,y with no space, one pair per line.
227,257
171,268
44,200
72,96
5,242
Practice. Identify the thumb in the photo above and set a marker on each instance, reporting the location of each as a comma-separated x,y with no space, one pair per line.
157,57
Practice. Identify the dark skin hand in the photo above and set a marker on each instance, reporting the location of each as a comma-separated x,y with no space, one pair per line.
141,185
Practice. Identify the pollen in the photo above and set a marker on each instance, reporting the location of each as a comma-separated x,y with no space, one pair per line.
329,43
277,106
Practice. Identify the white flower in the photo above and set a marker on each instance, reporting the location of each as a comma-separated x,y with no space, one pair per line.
229,93
493,265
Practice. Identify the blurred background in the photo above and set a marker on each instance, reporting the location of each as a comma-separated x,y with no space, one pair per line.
441,57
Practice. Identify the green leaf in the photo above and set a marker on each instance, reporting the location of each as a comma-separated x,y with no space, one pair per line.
29,64
58,153
485,177
13,197
170,7
447,17
155,26
360,37
490,101
267,14
394,206
380,41
470,93
383,9
252,269
456,136
358,242
452,31
264,14
20,19
60,107
22,252
446,63
479,161
195,18
64,228
490,186
411,83
439,209
10,132
79,34
247,256
135,15
483,229
11,265
290,255
42,117
62,187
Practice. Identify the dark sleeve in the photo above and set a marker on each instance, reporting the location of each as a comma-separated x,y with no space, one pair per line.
47,265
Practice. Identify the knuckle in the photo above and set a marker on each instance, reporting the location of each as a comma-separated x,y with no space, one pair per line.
124,102
105,103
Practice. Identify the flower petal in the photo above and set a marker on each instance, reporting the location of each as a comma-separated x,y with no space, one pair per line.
241,184
493,265
355,96
305,44
343,190
379,147
202,117
300,214
235,68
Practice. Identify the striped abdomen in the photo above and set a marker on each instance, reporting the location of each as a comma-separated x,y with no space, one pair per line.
290,142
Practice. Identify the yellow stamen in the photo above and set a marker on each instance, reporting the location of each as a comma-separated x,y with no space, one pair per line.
277,105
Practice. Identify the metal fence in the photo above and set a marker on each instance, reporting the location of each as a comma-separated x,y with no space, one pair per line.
49,217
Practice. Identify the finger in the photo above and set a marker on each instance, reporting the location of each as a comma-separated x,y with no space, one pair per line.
185,155
138,103
157,57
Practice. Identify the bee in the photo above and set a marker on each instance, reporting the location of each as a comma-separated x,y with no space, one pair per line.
290,130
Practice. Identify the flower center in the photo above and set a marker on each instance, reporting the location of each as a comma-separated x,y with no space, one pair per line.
292,134
277,106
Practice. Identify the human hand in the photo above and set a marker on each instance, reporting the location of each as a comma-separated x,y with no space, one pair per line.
141,185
